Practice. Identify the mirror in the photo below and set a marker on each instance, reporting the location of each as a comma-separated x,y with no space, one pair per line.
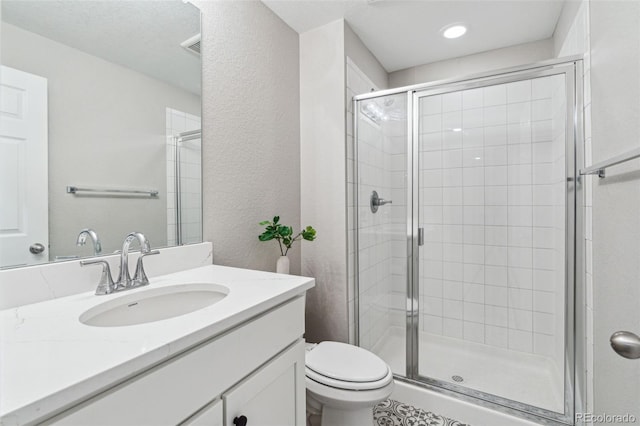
99,127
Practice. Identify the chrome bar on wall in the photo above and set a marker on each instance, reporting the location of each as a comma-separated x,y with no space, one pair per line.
178,139
71,189
599,168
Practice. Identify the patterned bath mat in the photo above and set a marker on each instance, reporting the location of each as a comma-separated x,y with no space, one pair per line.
394,413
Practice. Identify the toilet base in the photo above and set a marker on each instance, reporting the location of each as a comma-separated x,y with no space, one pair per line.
336,417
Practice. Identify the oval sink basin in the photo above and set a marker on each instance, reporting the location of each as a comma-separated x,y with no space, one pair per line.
154,304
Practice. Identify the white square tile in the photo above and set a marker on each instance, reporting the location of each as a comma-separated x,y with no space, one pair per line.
473,273
452,102
543,216
473,215
521,341
519,154
474,332
452,252
545,259
472,157
473,234
520,195
520,278
495,235
431,105
495,95
452,309
496,316
472,118
433,306
543,174
541,131
431,123
495,255
452,120
541,110
430,141
542,152
473,293
495,135
452,215
520,174
519,91
473,176
452,233
519,113
520,299
544,301
544,323
519,133
496,295
544,345
473,195
473,312
520,320
472,98
433,324
452,290
496,276
520,257
520,236
452,328
495,156
473,137
544,280
495,115
473,253
543,238
451,139
496,215
452,196
496,195
453,271
495,175
451,177
496,336
432,196
542,195
541,88
452,158
520,216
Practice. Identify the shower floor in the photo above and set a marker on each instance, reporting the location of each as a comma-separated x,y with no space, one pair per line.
522,377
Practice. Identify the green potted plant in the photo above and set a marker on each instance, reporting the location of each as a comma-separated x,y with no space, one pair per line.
284,236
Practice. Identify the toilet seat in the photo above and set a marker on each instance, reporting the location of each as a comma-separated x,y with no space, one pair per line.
347,367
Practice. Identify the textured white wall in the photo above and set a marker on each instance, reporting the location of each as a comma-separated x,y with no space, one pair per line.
615,121
521,54
251,152
106,128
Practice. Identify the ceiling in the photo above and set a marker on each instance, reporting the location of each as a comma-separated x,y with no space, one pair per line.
142,35
406,33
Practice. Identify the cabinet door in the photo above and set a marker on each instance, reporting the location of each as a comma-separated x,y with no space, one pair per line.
272,396
211,415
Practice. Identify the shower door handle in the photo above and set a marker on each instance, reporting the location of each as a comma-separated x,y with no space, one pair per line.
420,236
626,344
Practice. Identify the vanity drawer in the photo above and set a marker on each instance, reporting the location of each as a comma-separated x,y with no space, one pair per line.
172,391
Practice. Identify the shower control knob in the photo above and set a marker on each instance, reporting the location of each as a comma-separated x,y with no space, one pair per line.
36,248
626,344
240,421
375,201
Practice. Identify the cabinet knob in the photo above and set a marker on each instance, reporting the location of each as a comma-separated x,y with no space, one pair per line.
240,421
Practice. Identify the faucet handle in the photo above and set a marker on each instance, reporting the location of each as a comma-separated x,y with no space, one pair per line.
140,277
106,284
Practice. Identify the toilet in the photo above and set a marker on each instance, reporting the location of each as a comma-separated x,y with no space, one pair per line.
344,384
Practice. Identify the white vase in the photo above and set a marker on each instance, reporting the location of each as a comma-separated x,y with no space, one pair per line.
282,266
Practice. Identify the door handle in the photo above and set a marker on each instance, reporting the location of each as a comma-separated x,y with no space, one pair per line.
36,248
626,344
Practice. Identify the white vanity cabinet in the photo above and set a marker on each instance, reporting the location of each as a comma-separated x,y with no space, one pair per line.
254,370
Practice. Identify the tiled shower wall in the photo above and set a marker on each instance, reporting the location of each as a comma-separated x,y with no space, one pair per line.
191,178
489,177
381,236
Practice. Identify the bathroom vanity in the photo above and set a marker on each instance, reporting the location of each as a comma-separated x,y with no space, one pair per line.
237,361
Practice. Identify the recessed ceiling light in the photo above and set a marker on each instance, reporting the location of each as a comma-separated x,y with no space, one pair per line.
454,31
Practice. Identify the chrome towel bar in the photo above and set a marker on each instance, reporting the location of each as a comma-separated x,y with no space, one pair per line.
599,168
115,192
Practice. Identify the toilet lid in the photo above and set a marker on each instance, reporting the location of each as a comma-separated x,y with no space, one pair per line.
345,362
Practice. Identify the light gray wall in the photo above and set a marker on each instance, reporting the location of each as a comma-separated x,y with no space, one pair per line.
615,118
521,54
323,197
565,22
106,128
251,116
364,59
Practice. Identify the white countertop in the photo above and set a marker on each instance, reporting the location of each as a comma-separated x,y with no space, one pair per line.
50,360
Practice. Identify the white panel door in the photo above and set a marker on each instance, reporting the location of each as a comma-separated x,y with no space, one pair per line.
23,168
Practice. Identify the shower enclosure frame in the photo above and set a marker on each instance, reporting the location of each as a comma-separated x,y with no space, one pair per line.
574,388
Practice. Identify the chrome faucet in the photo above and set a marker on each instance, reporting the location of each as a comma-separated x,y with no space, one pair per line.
139,276
124,281
82,240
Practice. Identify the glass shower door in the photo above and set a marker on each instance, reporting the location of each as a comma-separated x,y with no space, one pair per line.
493,206
380,228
